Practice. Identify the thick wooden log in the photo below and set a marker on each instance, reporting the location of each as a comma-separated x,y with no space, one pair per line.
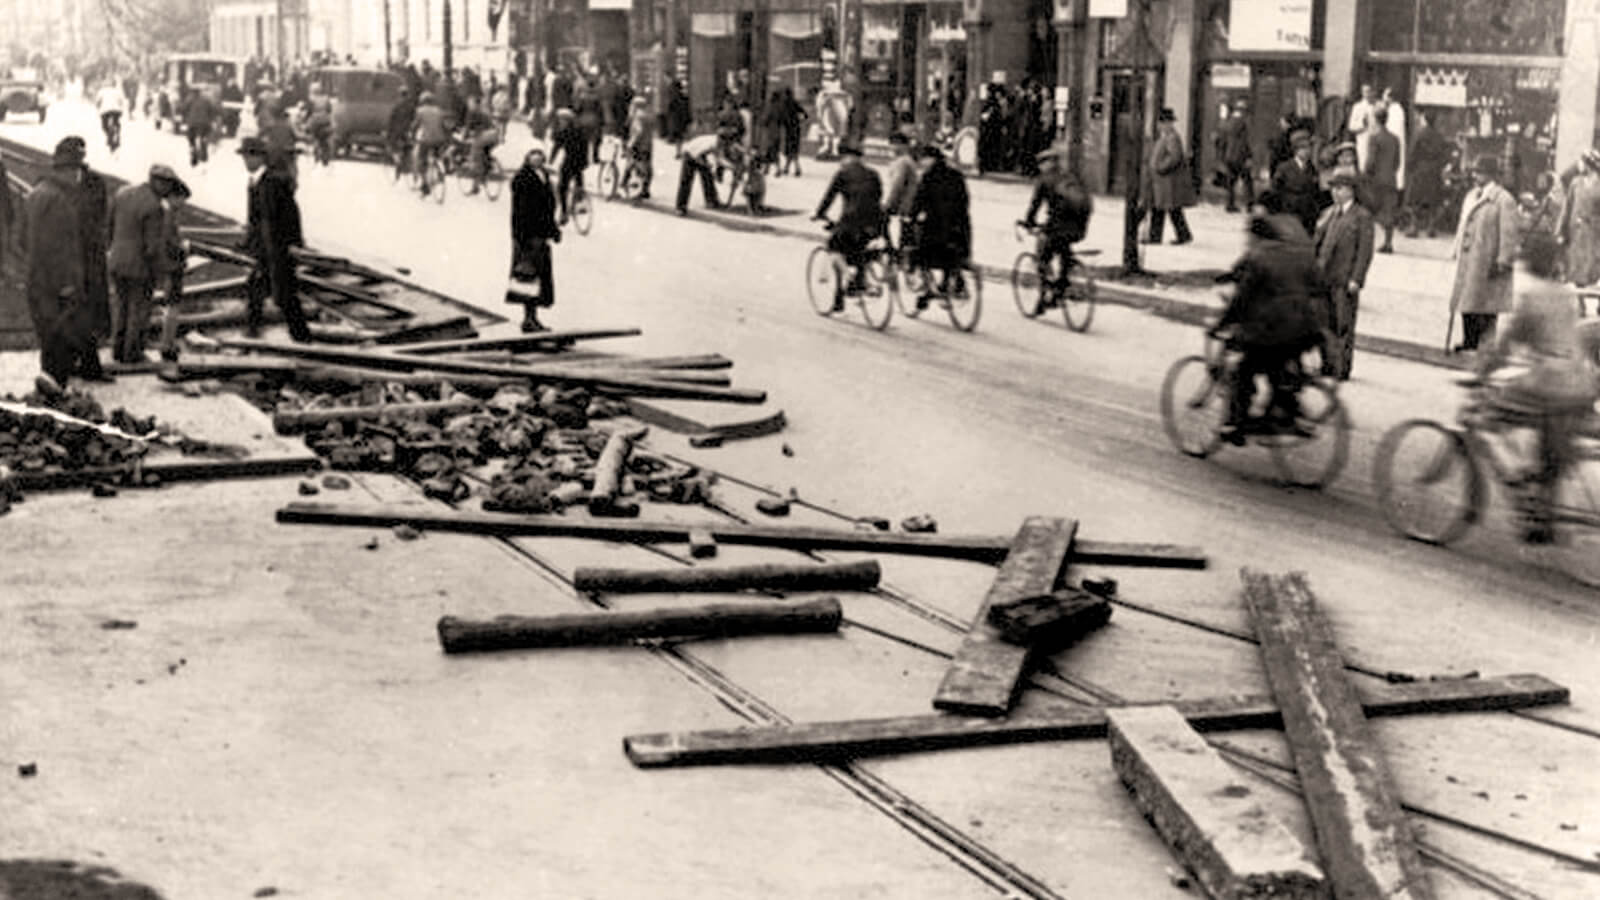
976,548
296,421
1365,843
821,614
851,576
409,361
852,739
1214,822
542,340
608,471
987,671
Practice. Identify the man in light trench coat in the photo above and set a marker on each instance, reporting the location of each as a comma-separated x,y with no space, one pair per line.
1485,249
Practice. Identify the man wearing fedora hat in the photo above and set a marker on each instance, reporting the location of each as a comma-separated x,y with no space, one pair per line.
1170,187
272,229
136,258
1485,248
1343,243
1294,183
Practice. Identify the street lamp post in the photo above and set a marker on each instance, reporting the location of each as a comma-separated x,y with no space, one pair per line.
448,51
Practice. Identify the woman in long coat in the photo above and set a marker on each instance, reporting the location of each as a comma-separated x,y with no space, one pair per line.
533,228
1485,248
1581,218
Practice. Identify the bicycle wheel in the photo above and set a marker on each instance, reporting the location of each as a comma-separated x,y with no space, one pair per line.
1077,300
582,212
1315,461
632,182
877,302
608,180
436,180
1428,484
1025,285
913,284
466,178
964,150
822,280
1577,516
494,181
964,301
1193,407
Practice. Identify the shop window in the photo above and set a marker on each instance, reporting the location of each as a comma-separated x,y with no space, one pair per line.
1526,27
1394,25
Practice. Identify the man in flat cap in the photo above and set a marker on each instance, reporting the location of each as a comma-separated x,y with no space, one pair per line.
1343,242
1485,249
1295,184
57,278
137,258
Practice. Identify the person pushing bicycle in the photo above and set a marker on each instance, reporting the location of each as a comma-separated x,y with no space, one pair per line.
860,222
1272,321
1068,208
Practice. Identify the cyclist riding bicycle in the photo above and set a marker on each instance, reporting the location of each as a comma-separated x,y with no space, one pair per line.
570,143
481,133
859,223
110,102
903,177
941,217
1272,321
429,134
1068,208
401,116
320,126
1557,382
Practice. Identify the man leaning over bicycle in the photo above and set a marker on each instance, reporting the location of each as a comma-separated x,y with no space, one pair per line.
1554,383
1068,208
1272,321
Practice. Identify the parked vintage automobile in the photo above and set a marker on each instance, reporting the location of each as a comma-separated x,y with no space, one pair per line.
22,93
362,100
220,77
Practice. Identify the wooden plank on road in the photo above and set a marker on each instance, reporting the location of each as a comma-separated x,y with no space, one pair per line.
987,671
976,548
1366,845
852,739
1212,820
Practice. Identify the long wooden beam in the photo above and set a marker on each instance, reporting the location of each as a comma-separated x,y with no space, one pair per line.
851,576
976,548
717,620
1361,831
408,361
542,340
987,670
851,739
182,469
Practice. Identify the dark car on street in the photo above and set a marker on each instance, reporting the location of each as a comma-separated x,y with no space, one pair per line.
22,96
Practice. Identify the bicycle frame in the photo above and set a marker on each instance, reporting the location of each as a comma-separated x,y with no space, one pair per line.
1493,447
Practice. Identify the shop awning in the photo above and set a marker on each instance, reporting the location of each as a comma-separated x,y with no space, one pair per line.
796,26
712,25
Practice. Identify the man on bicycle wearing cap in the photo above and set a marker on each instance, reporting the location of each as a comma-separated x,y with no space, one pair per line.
481,132
429,134
859,223
571,143
1067,209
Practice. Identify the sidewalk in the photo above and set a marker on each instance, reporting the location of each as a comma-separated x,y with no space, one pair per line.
1404,309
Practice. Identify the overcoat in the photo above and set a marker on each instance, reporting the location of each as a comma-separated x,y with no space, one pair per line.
1170,184
136,238
52,240
1485,237
1581,217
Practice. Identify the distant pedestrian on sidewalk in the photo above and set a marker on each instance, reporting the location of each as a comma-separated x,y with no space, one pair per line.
1343,244
1170,186
199,117
1233,156
137,259
1485,248
272,230
1430,153
1580,222
1295,184
533,230
1382,170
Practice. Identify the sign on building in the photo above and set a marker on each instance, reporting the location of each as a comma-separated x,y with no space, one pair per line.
1230,76
1108,9
1269,25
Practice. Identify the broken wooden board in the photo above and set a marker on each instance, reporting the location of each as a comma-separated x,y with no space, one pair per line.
988,671
1213,822
1051,621
975,548
662,417
1362,835
837,741
714,620
409,361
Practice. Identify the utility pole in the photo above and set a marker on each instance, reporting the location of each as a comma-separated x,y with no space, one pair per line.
387,58
668,70
278,39
850,66
1143,52
449,41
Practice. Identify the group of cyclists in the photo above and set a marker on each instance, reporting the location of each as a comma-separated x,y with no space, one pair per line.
421,130
930,210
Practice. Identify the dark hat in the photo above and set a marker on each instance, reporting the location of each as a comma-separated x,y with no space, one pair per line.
1299,138
1167,115
1487,165
849,148
178,189
1342,179
899,137
252,146
159,172
71,151
930,151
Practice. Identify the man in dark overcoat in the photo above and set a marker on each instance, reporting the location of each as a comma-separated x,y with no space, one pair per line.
1426,162
533,229
137,253
1343,245
1170,186
1382,171
272,229
942,219
57,284
1295,184
1233,155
